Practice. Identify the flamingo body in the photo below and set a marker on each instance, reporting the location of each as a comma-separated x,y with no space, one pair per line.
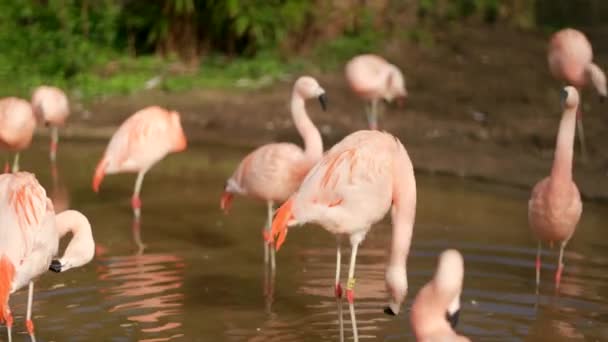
50,105
17,124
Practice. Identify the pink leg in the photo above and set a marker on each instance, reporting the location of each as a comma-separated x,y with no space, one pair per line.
135,200
560,265
54,142
538,265
9,325
28,322
350,289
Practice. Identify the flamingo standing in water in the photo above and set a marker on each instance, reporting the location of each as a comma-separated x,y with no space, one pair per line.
555,206
274,171
29,239
17,124
51,107
351,188
373,78
570,59
428,316
140,142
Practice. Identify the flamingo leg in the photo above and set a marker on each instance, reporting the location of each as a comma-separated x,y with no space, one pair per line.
560,264
136,227
16,163
350,287
581,138
9,324
135,200
372,115
28,317
273,264
538,250
338,288
54,142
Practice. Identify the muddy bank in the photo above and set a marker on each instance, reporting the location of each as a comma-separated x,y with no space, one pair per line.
482,104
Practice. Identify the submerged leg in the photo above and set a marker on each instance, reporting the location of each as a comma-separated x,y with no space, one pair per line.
560,264
273,263
350,290
28,317
135,200
136,227
538,250
54,142
16,163
581,138
338,288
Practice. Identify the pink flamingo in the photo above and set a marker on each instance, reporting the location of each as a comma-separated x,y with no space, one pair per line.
51,107
17,124
351,188
570,59
374,79
428,316
274,171
555,206
30,233
140,142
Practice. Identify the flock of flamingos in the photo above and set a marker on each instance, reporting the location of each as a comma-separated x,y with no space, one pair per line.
345,190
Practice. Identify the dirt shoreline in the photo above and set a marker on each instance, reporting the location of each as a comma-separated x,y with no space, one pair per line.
482,105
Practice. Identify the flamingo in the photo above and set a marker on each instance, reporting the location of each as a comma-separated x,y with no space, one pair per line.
555,206
17,124
570,59
373,78
428,315
51,107
140,142
273,172
349,190
29,239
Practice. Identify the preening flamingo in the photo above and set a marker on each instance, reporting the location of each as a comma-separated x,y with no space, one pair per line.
17,124
29,239
555,206
352,187
435,299
374,79
140,142
51,107
274,171
570,58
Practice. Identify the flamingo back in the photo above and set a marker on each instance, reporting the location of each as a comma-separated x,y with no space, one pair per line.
569,54
28,236
50,105
144,139
17,123
366,74
351,188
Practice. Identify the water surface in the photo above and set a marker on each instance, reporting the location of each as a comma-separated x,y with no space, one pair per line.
200,275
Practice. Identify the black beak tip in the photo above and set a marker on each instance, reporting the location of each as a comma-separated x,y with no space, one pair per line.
323,101
453,318
389,311
55,266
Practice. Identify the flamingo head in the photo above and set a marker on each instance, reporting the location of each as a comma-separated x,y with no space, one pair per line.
307,87
395,86
179,137
230,189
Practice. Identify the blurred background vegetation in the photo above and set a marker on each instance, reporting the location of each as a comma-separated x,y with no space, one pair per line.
102,47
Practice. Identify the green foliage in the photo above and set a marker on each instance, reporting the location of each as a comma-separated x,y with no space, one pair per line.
456,9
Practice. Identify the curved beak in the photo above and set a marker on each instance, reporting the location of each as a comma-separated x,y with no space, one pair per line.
453,318
226,201
55,266
323,101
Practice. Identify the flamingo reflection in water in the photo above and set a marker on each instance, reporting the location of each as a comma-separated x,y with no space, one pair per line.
148,287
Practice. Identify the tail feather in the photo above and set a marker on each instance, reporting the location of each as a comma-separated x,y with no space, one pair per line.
100,172
7,273
279,224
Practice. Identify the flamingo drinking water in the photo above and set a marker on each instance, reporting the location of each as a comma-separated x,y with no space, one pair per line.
274,171
555,206
351,188
29,239
374,79
17,124
140,142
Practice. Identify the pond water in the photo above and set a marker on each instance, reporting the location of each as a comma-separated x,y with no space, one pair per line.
200,276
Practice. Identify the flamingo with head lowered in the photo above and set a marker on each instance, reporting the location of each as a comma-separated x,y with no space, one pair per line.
374,79
52,108
17,124
273,172
351,188
29,239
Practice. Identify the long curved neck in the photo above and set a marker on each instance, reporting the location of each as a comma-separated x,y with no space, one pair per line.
598,78
82,246
562,163
313,144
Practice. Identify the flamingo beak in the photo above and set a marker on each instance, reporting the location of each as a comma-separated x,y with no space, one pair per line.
226,201
452,318
55,266
323,101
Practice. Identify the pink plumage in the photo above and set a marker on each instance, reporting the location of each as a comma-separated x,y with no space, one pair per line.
17,123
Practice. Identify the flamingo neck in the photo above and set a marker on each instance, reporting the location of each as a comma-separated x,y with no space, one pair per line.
598,78
564,150
81,248
313,145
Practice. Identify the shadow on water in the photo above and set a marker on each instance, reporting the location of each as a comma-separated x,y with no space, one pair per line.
201,276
